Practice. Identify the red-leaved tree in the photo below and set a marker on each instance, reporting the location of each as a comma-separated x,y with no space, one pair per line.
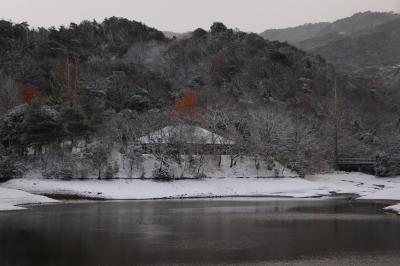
187,102
27,93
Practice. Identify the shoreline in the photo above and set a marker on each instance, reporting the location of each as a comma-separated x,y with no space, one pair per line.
77,197
68,198
352,186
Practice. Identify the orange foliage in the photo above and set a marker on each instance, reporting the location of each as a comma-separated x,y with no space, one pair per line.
28,93
187,103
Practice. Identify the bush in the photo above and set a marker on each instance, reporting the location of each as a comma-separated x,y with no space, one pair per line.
109,174
280,58
59,172
10,168
162,175
200,176
386,166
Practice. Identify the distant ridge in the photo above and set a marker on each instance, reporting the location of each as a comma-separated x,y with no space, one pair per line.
309,36
294,34
368,39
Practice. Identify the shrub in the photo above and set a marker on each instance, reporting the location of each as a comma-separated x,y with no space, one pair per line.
162,175
386,166
109,174
59,172
10,168
280,58
200,176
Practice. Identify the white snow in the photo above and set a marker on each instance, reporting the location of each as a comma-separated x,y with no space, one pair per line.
244,167
149,189
394,208
11,198
186,133
366,186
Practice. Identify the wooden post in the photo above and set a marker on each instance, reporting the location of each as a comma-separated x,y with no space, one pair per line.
336,126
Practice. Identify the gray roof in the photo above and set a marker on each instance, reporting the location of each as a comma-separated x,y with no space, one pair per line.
185,133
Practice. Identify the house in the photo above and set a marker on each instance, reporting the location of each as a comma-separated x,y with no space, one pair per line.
186,139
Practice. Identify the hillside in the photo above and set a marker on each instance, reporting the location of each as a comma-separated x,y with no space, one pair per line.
310,36
96,88
368,39
295,34
347,27
374,47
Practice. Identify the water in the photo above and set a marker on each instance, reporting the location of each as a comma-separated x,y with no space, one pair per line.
242,231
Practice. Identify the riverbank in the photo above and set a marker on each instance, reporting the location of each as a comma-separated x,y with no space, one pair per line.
137,189
12,199
365,186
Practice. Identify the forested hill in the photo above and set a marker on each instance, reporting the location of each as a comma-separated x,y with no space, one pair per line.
376,47
348,27
132,66
368,39
294,35
94,79
312,35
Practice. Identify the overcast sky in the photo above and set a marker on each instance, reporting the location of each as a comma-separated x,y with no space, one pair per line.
185,15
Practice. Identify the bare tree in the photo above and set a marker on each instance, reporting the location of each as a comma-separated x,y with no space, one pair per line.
8,93
99,153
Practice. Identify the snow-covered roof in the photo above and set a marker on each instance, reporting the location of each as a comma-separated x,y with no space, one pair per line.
184,133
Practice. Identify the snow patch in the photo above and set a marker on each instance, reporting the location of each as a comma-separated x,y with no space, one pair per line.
394,208
189,134
211,166
10,198
366,186
150,189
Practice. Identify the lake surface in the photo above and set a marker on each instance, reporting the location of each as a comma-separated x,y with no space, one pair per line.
196,232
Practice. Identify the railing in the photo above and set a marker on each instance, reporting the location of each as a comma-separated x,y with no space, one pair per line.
356,161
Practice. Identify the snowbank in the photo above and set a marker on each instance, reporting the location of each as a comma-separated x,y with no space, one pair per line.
366,186
394,208
10,198
149,189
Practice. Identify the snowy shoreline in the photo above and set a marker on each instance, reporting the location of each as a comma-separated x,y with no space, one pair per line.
13,199
365,186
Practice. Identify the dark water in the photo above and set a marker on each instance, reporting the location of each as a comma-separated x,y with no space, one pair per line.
194,231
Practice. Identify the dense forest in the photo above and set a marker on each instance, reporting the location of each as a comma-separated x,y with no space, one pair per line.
72,96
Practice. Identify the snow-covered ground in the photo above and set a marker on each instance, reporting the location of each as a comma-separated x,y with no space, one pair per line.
366,186
149,189
394,208
245,166
10,199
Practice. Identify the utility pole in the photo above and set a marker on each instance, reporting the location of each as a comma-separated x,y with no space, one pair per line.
336,125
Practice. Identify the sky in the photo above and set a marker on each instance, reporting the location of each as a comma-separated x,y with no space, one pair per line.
187,15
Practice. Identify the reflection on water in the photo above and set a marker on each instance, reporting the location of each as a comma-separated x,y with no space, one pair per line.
203,231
